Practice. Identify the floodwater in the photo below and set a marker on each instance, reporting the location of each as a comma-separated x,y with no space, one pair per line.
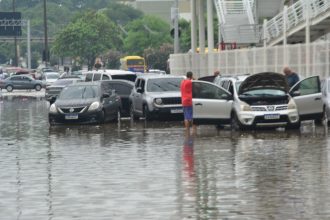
154,171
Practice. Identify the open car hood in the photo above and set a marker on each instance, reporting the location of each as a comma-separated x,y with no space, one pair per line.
266,80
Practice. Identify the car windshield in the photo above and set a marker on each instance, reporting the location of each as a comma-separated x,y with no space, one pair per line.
62,82
164,85
79,92
264,92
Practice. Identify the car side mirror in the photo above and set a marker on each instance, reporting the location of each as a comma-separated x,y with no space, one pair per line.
105,95
227,97
139,90
52,99
295,93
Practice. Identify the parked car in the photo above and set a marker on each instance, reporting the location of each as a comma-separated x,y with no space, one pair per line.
264,99
50,77
54,90
85,102
156,95
109,74
123,88
21,82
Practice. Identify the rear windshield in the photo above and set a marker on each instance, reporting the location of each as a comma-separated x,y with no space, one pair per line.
79,92
164,85
62,82
124,77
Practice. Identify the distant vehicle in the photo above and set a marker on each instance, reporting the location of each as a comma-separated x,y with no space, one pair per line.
54,90
156,95
156,71
85,102
21,82
50,77
108,74
133,63
123,88
78,73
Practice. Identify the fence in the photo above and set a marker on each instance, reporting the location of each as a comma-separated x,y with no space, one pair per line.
303,59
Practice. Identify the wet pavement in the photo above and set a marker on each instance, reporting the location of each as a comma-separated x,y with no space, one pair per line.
138,170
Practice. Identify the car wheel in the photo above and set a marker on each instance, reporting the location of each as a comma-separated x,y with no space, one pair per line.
146,113
101,118
9,88
131,112
294,126
37,87
322,118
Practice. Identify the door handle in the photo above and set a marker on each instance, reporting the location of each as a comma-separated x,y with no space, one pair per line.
198,104
317,99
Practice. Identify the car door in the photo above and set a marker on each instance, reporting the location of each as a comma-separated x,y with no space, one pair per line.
138,96
211,103
110,103
308,97
26,83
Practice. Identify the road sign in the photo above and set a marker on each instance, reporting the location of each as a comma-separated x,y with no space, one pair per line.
10,24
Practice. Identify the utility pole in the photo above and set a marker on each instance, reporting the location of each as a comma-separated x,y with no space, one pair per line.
15,40
176,26
45,52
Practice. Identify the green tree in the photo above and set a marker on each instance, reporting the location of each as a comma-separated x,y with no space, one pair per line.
88,36
156,58
147,32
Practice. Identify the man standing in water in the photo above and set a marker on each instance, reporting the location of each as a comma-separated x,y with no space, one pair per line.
186,99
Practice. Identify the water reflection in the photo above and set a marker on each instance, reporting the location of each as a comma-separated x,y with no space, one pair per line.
154,170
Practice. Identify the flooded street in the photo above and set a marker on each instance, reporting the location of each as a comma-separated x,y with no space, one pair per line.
138,170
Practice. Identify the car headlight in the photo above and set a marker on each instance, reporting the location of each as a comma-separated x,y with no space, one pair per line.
292,104
94,106
158,101
245,107
52,108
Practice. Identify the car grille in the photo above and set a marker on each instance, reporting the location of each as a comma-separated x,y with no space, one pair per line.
72,110
172,101
269,108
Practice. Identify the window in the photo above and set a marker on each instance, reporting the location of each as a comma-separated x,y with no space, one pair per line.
121,89
207,91
308,86
89,77
16,78
142,85
97,77
105,77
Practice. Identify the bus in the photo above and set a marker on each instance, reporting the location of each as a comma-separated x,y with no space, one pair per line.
133,63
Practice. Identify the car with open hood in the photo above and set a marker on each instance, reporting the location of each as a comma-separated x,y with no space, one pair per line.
265,100
85,102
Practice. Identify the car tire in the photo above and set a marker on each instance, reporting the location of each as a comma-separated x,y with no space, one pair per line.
101,118
131,112
293,126
320,120
146,113
37,87
9,88
235,124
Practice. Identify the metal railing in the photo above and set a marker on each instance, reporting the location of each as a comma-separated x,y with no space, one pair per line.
296,14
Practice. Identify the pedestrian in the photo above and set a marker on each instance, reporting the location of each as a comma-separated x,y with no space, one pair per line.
216,73
186,99
291,77
98,64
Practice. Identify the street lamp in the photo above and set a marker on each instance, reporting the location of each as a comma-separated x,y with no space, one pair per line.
45,52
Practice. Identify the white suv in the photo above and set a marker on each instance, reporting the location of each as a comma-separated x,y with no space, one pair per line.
264,99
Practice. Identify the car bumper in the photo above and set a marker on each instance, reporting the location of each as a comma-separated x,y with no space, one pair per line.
273,119
168,111
83,118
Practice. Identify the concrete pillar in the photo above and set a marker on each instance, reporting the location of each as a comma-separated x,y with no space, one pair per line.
210,34
307,35
265,32
193,27
285,21
201,26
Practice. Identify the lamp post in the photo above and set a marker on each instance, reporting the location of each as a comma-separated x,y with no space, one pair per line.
45,52
15,40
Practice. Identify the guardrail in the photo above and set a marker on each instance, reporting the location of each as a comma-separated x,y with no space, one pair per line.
295,15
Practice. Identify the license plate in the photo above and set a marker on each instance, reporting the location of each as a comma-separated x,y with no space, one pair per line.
272,116
71,116
176,111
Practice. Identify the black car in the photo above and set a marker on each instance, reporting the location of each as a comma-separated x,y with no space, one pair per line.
85,102
54,90
123,88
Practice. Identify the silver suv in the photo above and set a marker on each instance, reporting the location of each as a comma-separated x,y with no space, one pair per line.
155,95
264,99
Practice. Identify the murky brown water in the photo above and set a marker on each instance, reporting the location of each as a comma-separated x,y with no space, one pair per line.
152,171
